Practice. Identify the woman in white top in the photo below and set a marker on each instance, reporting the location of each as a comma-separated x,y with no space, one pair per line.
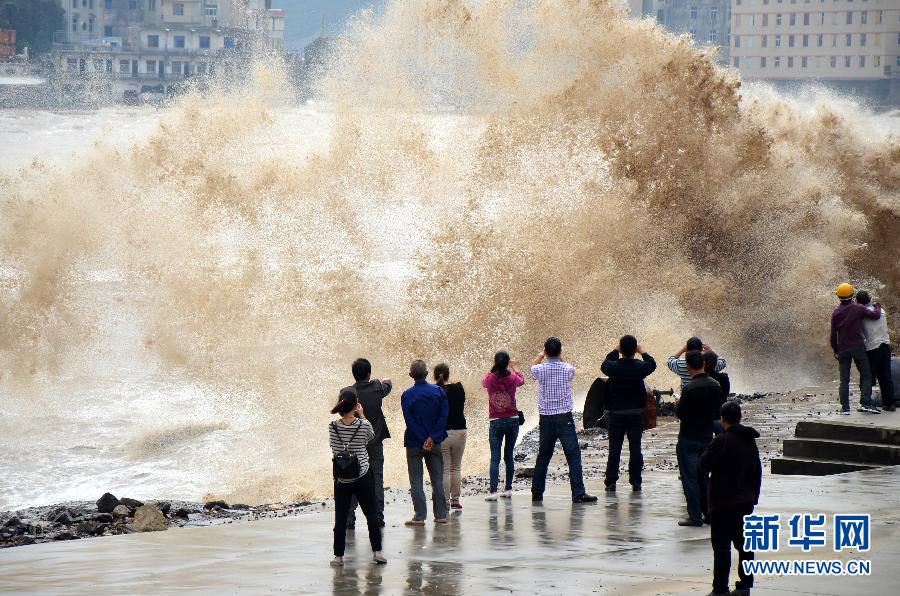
348,436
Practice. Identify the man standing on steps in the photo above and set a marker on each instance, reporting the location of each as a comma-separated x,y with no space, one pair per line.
555,404
849,345
878,350
732,460
696,411
626,399
371,394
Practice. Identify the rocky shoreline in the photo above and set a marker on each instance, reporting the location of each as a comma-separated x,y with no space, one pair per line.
110,516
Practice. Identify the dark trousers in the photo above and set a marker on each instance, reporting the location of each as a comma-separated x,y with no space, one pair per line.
620,426
552,428
364,491
693,482
434,461
503,429
727,529
880,364
376,466
861,359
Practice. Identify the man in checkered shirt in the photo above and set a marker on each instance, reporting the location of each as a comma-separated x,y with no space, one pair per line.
554,377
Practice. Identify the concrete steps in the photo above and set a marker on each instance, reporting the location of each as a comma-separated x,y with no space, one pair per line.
824,447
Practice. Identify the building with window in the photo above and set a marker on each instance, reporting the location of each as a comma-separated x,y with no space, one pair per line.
849,44
152,43
708,21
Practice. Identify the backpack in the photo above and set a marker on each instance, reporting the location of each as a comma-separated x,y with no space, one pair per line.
344,463
650,411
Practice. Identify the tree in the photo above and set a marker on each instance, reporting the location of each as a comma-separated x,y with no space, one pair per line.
34,22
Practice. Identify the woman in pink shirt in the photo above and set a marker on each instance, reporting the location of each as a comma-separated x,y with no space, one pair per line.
501,384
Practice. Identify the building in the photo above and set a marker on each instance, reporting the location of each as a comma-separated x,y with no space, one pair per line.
153,43
7,44
708,21
849,44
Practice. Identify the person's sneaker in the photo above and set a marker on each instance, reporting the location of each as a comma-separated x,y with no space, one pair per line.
636,488
869,409
536,499
507,494
378,558
491,497
845,412
382,524
456,505
442,520
585,498
689,522
610,488
707,521
337,562
740,592
890,408
415,522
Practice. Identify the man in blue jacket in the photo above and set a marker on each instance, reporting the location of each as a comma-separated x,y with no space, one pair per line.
626,399
425,410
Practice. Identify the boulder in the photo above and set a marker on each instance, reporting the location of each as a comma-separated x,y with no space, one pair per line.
239,506
527,472
131,503
148,518
63,518
104,518
107,503
182,513
121,511
86,527
220,504
163,506
13,522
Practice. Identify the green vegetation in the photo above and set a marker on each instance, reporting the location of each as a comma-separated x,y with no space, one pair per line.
34,22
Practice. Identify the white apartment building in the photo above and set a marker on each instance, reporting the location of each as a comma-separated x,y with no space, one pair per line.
851,43
139,43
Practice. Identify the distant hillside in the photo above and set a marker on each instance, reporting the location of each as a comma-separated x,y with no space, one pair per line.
304,18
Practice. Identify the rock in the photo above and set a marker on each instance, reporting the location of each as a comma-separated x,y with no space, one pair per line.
148,518
65,535
63,518
183,513
527,472
163,506
104,518
25,541
13,522
86,527
107,503
220,504
131,503
121,511
239,506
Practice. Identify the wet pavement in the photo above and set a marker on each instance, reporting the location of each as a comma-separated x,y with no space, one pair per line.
626,544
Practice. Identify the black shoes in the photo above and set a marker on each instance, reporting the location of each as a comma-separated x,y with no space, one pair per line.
689,522
536,499
636,488
610,488
585,498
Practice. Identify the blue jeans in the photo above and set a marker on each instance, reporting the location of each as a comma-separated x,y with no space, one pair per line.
508,429
561,427
434,461
845,359
620,426
692,481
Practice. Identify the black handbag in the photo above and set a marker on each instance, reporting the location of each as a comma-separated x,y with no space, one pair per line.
344,463
521,417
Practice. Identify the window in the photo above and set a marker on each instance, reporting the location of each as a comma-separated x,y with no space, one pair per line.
124,65
109,66
834,41
834,62
846,61
107,4
790,41
151,5
737,41
877,17
803,62
749,60
749,41
74,24
849,17
176,67
714,14
91,24
151,66
201,68
793,19
862,40
877,40
848,41
132,4
765,41
806,18
822,18
806,41
178,9
790,62
204,42
765,20
777,61
898,61
863,17
153,41
762,62
862,61
211,9
877,60
91,5
778,20
694,13
751,20
737,61
777,41
107,30
661,15
74,3
713,37
821,40
228,42
179,41
72,64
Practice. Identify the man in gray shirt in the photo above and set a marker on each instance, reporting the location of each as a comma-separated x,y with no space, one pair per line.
878,351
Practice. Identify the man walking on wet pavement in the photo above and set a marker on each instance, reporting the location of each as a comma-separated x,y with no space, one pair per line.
732,460
626,398
555,404
878,350
371,394
849,345
425,409
696,411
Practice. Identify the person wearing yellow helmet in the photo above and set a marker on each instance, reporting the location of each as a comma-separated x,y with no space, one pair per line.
849,345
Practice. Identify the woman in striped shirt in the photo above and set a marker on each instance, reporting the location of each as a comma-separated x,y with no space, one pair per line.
351,433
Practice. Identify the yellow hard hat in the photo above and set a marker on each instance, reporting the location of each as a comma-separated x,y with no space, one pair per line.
845,291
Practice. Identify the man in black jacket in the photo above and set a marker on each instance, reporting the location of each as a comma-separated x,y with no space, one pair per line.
371,394
626,398
732,459
696,410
